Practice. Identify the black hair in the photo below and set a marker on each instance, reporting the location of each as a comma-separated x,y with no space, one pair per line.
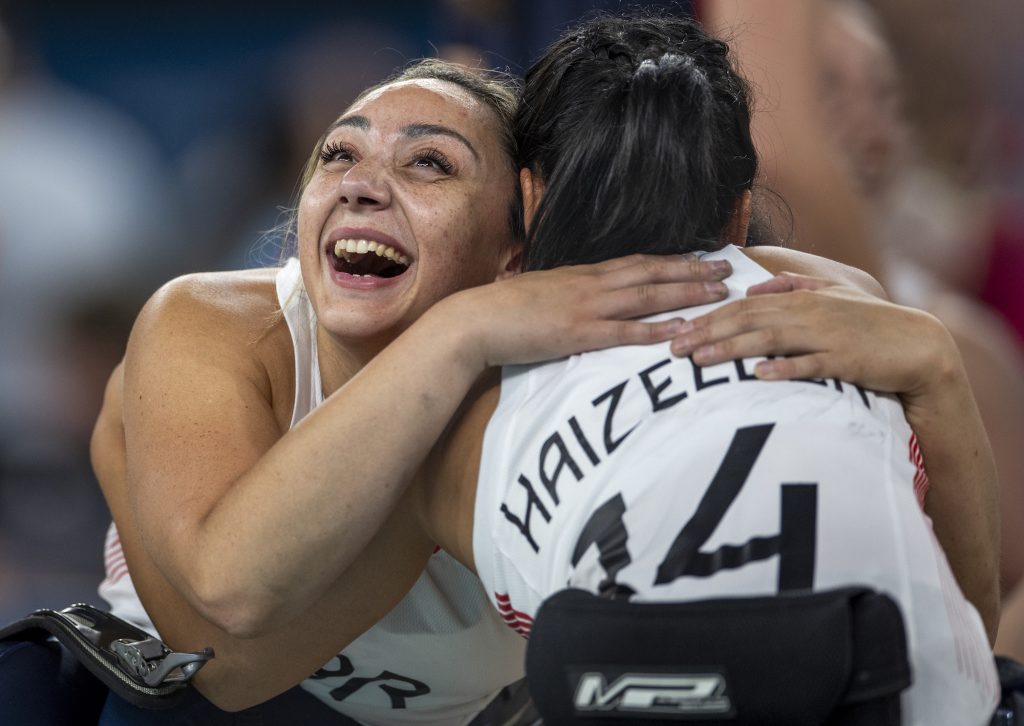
640,128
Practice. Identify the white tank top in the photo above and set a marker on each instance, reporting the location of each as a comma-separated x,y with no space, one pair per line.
437,658
634,467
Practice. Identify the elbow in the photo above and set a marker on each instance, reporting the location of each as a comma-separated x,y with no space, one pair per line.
241,612
238,619
243,623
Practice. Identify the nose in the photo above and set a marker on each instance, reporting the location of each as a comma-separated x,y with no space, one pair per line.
364,187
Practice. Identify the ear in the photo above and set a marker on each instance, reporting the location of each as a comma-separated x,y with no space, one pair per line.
532,186
511,261
735,232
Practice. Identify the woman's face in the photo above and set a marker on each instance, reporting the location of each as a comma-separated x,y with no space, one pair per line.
862,100
408,204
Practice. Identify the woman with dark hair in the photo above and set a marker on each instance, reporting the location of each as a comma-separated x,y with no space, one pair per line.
610,471
630,174
639,131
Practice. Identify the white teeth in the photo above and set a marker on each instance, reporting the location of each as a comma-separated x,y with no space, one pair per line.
362,246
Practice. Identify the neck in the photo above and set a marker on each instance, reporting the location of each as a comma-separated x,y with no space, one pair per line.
340,360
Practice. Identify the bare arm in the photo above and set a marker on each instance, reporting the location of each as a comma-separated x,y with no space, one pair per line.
247,671
842,332
252,524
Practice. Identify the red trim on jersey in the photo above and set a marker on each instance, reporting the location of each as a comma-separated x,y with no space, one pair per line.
116,566
116,574
515,619
921,483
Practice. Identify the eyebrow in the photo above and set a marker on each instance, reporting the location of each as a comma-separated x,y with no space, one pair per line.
360,122
416,130
412,131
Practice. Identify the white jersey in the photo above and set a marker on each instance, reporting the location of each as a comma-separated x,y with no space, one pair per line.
631,468
438,657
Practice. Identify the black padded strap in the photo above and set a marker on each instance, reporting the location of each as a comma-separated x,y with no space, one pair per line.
786,659
129,661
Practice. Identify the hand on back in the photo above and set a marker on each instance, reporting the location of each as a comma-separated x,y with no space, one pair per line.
823,329
548,314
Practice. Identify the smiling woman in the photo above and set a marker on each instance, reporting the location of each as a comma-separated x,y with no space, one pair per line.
445,175
247,467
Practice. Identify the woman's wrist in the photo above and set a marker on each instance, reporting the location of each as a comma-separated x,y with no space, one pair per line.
942,384
452,325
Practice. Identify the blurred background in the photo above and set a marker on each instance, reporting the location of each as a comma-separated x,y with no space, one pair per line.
140,142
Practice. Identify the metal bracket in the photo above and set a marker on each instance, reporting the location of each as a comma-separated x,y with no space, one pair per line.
156,664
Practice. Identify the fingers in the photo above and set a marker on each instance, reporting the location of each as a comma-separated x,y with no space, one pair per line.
613,333
721,326
787,282
650,269
813,365
767,341
634,332
648,299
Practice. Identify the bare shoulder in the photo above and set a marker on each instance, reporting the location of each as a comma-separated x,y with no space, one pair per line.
237,308
230,321
781,259
242,298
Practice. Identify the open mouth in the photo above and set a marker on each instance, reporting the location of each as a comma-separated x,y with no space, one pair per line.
367,259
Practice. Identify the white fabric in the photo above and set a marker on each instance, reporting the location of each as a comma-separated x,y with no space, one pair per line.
551,435
443,636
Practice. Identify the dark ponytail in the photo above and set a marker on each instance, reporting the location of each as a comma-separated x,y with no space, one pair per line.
640,129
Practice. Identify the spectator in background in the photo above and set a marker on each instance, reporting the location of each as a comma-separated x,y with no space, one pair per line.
970,121
776,48
961,67
864,111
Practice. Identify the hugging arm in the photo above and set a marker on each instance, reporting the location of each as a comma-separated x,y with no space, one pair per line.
264,519
829,330
239,532
248,671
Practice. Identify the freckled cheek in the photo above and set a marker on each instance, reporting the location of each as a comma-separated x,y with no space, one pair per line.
306,233
311,216
445,228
